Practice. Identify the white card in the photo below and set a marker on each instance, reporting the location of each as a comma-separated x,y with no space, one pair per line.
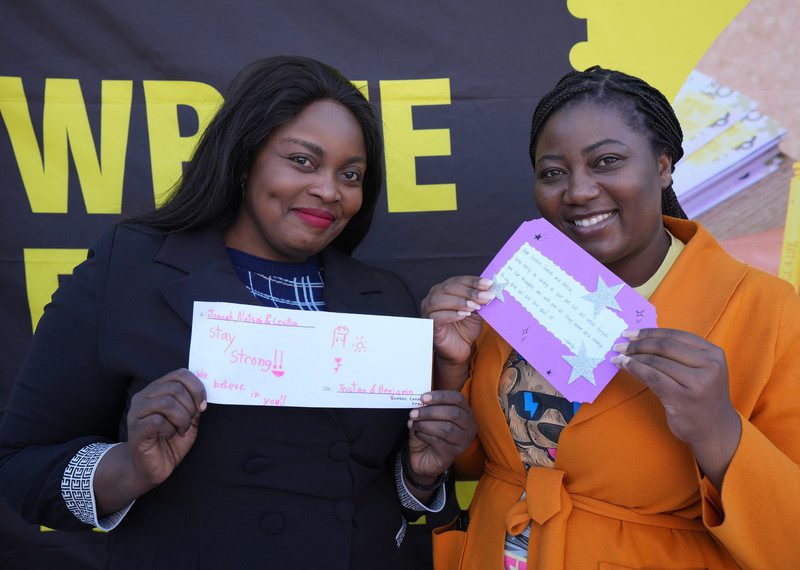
258,356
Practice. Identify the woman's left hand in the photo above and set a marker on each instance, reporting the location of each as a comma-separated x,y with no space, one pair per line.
439,431
689,375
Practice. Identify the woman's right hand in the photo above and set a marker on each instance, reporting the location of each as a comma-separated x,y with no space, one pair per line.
162,424
452,304
162,427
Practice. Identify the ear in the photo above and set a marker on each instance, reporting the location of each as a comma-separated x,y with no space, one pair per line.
665,169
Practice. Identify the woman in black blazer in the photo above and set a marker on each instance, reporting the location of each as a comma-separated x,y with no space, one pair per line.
104,426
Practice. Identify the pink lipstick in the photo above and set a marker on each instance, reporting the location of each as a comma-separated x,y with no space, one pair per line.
315,217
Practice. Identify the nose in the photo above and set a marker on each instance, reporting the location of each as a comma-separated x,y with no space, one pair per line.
325,188
581,188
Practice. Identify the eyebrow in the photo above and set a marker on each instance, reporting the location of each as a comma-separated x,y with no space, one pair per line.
586,150
598,144
316,149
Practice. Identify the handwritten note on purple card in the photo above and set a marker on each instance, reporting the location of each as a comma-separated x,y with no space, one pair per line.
561,309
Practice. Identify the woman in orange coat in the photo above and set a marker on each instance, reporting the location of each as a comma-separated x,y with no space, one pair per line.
689,457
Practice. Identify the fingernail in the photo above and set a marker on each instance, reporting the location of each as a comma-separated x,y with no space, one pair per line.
631,334
485,282
620,360
203,405
621,347
473,306
427,398
410,424
464,313
414,413
485,296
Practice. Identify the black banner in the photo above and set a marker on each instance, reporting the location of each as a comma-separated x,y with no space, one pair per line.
102,102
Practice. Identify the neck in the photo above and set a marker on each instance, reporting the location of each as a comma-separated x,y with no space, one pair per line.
638,270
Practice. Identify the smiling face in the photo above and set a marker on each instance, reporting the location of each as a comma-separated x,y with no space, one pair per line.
303,186
598,181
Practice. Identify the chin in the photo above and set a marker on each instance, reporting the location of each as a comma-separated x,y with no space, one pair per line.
605,255
311,249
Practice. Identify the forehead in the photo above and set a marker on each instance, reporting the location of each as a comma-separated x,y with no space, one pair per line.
326,123
583,123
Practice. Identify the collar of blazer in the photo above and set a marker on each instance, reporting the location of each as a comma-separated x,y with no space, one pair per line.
692,296
209,276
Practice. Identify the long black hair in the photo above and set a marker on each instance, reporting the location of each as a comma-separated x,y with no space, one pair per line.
263,96
645,108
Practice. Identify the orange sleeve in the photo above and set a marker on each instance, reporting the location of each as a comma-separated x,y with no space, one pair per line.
470,464
756,514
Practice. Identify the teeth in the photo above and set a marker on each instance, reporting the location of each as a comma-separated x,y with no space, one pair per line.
588,222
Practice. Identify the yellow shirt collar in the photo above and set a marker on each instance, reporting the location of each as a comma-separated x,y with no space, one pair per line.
676,246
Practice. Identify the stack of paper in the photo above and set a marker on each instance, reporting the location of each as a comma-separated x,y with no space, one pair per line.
728,143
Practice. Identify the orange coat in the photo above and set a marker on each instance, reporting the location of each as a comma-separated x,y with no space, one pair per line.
626,493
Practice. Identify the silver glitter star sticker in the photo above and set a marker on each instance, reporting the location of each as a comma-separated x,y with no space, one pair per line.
497,288
604,296
583,366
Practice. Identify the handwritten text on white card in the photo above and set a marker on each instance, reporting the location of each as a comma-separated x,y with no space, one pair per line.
279,357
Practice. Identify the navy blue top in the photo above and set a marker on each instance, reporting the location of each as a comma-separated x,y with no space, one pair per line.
281,284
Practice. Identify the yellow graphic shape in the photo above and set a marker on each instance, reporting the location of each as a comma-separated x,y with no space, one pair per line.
43,528
404,144
362,86
789,267
42,268
65,129
168,148
661,42
465,490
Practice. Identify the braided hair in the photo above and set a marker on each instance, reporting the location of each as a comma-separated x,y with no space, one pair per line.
644,107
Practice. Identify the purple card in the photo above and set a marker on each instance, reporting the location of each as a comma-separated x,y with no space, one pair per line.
561,309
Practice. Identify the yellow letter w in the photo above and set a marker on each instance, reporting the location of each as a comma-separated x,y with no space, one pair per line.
65,123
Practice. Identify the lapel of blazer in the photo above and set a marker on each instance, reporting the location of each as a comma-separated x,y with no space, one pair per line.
209,275
350,286
692,296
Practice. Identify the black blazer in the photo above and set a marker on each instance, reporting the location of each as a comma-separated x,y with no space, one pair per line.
274,487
